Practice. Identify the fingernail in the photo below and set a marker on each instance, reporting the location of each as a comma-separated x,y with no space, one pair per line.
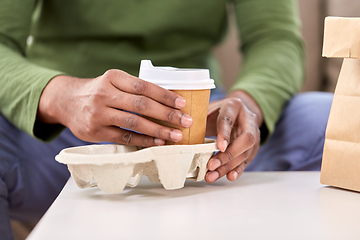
214,164
186,120
224,145
213,176
235,174
180,102
159,142
176,135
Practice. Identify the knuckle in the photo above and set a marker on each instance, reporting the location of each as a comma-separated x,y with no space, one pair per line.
243,166
131,121
140,87
247,154
225,169
228,120
171,115
141,103
161,132
145,142
236,102
91,129
250,138
111,73
98,94
241,170
95,112
229,155
91,126
253,115
226,135
119,97
114,118
165,97
127,138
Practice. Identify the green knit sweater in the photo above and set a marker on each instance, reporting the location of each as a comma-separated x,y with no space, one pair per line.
84,38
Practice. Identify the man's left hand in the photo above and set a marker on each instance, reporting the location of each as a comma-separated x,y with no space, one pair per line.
235,121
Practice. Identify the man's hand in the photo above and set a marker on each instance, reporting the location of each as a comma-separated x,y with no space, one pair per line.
235,121
95,110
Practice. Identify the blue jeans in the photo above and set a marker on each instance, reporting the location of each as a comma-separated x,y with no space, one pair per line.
30,178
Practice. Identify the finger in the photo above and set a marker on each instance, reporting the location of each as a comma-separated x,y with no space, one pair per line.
239,146
134,85
226,120
237,172
148,107
139,124
234,168
211,176
123,136
221,171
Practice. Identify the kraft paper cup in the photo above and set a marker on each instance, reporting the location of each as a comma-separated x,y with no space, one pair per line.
192,84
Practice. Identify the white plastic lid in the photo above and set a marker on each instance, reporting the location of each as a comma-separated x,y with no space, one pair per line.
176,78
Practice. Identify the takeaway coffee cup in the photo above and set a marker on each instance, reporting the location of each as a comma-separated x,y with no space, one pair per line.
192,84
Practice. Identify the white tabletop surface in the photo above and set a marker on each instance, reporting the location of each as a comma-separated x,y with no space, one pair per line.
259,205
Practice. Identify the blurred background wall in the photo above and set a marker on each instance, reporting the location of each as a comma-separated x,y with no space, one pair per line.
321,73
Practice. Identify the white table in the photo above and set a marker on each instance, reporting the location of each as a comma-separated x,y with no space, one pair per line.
260,205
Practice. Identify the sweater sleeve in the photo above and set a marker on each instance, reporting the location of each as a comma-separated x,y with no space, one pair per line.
273,51
22,82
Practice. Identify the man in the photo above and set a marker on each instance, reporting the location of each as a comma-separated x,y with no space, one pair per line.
67,75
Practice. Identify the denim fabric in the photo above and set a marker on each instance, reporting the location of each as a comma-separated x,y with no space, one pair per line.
298,140
30,178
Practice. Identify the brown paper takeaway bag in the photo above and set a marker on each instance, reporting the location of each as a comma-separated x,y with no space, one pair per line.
341,158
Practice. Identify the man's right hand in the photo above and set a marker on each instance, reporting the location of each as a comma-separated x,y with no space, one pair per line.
95,110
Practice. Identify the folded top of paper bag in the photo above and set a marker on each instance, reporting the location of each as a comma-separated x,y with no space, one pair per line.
342,38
